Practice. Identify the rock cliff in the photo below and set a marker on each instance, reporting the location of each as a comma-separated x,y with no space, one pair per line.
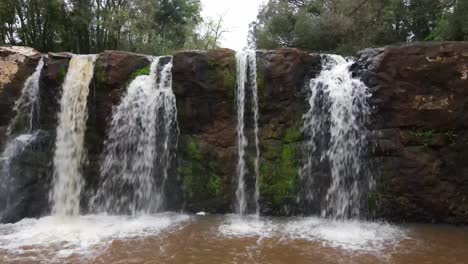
419,136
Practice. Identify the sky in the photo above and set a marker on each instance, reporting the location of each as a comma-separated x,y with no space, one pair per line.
237,15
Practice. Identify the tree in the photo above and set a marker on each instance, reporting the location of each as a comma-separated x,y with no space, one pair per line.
207,35
343,26
91,26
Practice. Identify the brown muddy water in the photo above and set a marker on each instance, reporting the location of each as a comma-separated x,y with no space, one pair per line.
175,238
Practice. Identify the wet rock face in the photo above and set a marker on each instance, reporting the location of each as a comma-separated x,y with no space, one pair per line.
16,65
29,176
282,78
419,94
418,127
204,84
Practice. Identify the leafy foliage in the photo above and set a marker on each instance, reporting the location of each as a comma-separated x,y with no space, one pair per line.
343,26
91,26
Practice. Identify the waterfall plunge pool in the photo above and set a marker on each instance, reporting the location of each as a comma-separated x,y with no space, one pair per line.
179,238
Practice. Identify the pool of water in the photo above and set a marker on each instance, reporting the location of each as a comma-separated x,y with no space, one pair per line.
178,238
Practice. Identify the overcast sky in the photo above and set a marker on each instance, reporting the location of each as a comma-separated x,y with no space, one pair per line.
237,15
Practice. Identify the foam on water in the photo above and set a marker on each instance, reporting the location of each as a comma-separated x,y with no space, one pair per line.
246,226
350,235
81,235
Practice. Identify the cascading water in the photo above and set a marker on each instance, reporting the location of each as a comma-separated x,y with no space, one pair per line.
253,78
140,147
69,145
27,113
246,78
335,124
27,107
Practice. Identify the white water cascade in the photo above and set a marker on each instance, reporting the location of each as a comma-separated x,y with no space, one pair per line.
140,146
338,111
27,107
246,78
27,113
69,145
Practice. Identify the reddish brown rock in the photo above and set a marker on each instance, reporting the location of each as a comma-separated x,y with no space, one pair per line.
421,91
204,84
16,65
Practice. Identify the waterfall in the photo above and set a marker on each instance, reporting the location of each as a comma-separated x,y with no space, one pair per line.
69,145
335,124
27,114
27,107
141,146
246,78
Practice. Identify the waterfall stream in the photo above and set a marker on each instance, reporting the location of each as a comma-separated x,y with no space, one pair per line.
27,107
69,145
27,114
246,78
140,146
338,111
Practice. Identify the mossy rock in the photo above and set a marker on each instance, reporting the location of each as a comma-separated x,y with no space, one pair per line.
279,178
139,72
202,178
279,169
100,72
63,73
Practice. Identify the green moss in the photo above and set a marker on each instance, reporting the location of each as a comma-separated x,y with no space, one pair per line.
142,71
201,178
212,62
215,185
230,82
293,134
62,73
424,136
192,150
100,72
278,178
260,84
279,171
230,77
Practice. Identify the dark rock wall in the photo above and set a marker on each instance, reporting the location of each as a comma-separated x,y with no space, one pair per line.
418,127
419,123
204,84
283,79
15,68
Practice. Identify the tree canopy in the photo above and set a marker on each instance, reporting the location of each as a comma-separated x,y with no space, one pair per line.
344,26
91,26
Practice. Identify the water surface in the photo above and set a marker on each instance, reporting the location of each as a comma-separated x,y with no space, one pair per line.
175,238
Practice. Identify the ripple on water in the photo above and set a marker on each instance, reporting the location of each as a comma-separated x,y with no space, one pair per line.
81,235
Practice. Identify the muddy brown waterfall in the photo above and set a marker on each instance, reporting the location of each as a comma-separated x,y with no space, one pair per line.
69,147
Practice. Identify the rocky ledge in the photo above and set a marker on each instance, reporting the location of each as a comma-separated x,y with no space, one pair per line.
418,126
